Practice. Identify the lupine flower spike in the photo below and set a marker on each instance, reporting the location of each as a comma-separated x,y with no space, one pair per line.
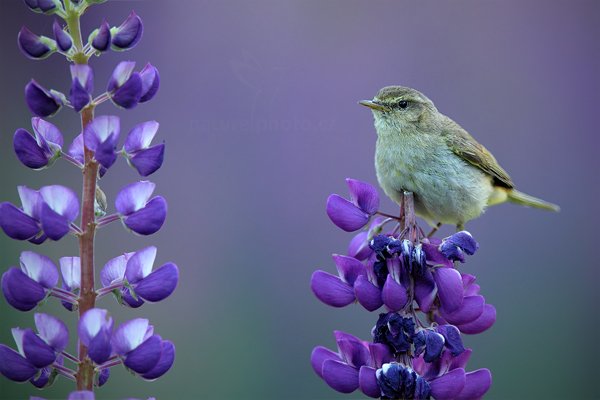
416,349
50,213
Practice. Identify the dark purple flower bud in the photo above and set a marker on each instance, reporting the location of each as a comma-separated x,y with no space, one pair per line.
397,381
59,209
150,82
125,86
128,34
454,247
34,46
453,341
430,342
137,345
101,136
45,6
82,86
63,39
406,254
167,358
40,150
101,37
354,214
359,245
450,288
22,224
418,258
394,331
145,159
95,329
102,377
42,102
138,213
379,245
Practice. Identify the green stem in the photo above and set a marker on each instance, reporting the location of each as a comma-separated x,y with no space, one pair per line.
87,297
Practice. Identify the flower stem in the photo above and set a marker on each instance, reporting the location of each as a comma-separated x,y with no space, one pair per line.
87,297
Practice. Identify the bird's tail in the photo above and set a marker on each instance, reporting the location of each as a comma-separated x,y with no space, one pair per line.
523,199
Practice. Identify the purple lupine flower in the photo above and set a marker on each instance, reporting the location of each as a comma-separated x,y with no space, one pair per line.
137,211
354,214
150,82
34,46
35,351
394,331
26,286
125,85
338,291
455,246
128,34
59,208
43,102
101,136
430,343
135,271
45,6
359,245
40,149
95,332
70,270
349,368
101,37
144,158
82,86
63,40
397,381
141,350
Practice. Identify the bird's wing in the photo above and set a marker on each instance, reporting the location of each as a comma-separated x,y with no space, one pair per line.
467,148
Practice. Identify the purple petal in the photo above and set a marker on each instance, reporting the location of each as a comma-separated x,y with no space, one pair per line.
104,129
452,338
352,350
36,350
476,385
34,46
393,294
61,200
130,300
103,377
450,289
449,385
114,269
367,294
144,357
364,195
16,224
63,39
46,5
20,291
471,309
33,5
465,241
76,149
99,349
39,268
349,268
81,395
41,102
92,322
40,380
149,219
331,290
148,161
120,75
461,360
130,335
46,131
106,153
128,34
345,215
380,354
150,82
425,290
434,256
31,201
52,330
70,269
159,284
140,136
484,322
102,39
128,95
319,355
28,151
14,366
167,357
358,247
340,376
78,96
134,197
367,381
55,226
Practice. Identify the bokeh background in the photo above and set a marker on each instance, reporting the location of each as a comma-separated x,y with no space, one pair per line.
258,107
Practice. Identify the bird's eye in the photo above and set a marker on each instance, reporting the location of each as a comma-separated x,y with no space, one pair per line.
403,104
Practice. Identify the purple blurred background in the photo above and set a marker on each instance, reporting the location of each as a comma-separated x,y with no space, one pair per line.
258,107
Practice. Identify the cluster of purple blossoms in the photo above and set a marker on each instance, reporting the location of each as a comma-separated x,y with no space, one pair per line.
416,349
51,213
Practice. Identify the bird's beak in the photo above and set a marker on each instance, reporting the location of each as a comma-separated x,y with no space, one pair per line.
372,105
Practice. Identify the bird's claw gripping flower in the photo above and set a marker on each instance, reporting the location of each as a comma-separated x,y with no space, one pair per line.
401,269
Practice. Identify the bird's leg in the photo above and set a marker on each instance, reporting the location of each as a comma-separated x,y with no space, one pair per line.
460,227
410,218
435,229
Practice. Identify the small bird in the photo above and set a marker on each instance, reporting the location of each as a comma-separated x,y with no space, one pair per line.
453,178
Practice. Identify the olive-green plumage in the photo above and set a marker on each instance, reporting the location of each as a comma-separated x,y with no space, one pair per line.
419,149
